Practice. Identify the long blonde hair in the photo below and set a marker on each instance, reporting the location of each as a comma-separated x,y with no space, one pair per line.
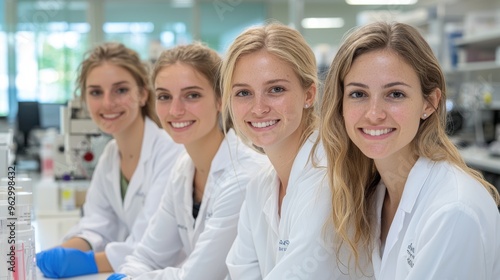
353,176
283,42
126,58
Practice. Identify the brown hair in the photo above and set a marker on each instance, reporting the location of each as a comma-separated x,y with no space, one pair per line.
126,58
197,55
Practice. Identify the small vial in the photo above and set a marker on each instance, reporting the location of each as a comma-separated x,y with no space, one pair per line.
67,192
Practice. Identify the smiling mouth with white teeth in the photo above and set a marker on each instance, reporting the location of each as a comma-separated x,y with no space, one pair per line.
181,124
377,132
111,116
263,124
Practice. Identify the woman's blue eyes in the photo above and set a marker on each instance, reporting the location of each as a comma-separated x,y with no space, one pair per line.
277,89
188,96
393,94
122,90
163,97
356,94
99,92
397,94
243,93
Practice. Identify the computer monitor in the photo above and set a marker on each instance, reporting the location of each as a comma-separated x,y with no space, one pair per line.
28,118
50,115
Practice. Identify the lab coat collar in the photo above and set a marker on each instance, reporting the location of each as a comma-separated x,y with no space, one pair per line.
376,253
299,169
302,158
227,150
138,177
414,183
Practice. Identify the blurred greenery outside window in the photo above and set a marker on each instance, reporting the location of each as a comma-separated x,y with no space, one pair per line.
52,37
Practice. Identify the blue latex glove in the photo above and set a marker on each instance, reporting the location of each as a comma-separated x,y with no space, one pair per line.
62,262
116,276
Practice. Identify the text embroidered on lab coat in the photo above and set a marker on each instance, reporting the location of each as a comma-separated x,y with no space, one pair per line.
411,255
283,245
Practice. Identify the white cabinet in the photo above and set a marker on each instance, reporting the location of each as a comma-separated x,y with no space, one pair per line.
479,52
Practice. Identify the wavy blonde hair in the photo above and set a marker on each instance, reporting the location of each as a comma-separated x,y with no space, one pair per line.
126,58
353,176
288,45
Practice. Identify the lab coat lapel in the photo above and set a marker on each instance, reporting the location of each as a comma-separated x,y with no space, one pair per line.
184,187
114,177
271,205
136,182
376,256
414,183
203,207
219,162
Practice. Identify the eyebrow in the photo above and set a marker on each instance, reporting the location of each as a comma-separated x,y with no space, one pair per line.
389,85
114,84
266,83
182,89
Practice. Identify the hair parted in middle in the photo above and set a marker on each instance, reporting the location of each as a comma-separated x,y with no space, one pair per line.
119,55
285,43
353,176
199,56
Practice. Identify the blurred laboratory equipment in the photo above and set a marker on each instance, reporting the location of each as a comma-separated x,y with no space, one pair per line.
73,152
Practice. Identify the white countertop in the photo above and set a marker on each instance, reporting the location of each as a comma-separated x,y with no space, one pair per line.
100,276
479,158
49,233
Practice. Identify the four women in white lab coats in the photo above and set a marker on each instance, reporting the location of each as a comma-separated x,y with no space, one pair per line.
269,83
131,174
381,180
196,223
399,185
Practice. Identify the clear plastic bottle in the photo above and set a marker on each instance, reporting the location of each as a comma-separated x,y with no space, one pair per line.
47,153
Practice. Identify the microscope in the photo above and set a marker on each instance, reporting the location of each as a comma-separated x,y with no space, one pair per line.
73,151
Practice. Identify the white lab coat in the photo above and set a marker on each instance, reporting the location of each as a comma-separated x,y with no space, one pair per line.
447,226
297,245
115,226
173,231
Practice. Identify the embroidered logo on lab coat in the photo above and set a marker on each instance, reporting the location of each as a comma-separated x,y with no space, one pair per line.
283,245
209,215
410,257
140,194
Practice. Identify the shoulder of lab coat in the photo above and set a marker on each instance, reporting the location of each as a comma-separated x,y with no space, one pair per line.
208,244
446,227
297,245
130,217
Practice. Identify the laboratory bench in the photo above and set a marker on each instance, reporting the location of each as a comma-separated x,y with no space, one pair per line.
51,224
49,232
481,160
